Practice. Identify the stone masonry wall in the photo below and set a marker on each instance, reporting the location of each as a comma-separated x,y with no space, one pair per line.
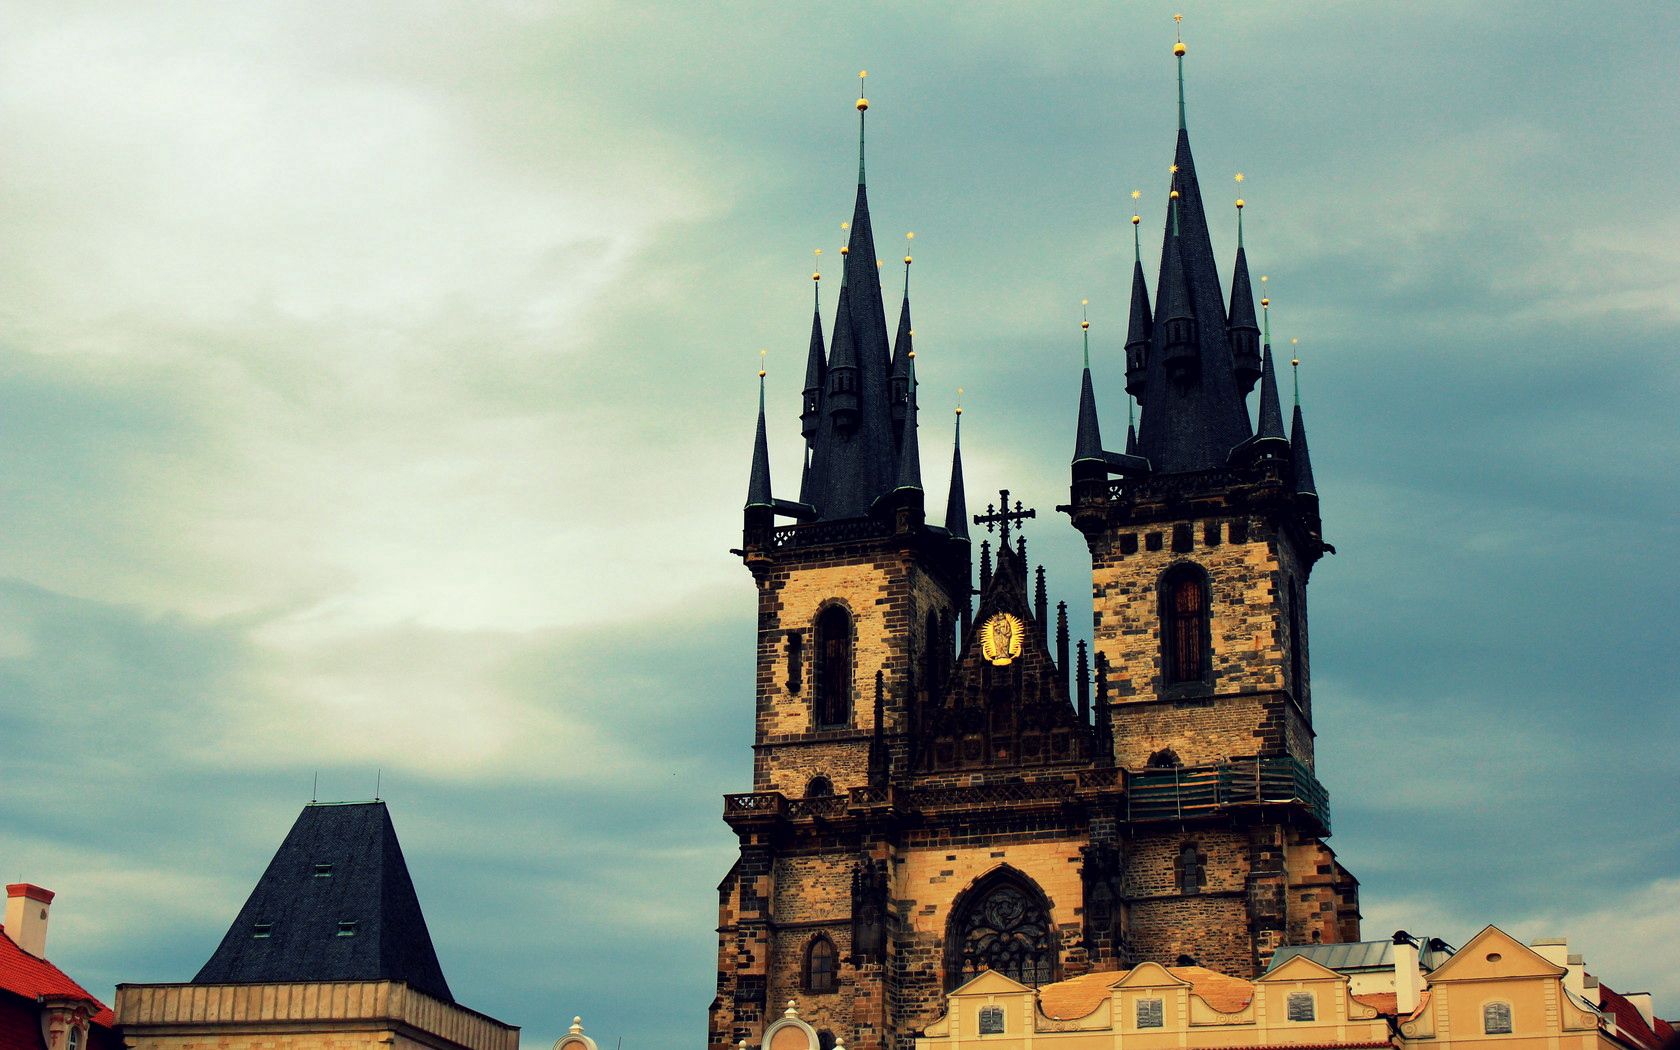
1248,638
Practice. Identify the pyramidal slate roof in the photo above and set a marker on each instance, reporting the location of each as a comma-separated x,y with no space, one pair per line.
340,865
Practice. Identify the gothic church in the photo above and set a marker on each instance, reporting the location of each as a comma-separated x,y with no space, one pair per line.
939,786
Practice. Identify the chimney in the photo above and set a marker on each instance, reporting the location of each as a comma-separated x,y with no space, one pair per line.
1575,980
26,917
1554,950
1642,1002
1408,978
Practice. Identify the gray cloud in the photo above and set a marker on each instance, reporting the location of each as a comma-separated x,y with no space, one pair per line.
375,393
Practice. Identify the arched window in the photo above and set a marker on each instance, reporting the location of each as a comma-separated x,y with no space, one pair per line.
1184,625
1166,758
821,965
819,787
833,705
1496,1019
1001,923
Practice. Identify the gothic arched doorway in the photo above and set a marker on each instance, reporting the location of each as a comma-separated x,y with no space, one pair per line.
1001,923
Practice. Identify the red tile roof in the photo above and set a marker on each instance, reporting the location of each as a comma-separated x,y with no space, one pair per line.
1630,1023
23,974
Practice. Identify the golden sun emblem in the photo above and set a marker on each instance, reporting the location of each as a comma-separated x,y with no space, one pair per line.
1000,639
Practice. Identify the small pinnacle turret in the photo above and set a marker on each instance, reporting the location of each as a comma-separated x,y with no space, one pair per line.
903,351
1178,312
816,375
1140,328
1087,446
1304,484
956,504
910,455
758,484
1241,329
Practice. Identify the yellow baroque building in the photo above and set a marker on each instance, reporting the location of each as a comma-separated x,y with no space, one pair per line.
1495,993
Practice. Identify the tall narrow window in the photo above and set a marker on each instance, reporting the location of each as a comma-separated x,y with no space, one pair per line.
833,706
1190,868
1184,625
795,661
820,965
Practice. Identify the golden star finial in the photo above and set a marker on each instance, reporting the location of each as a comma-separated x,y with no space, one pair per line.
959,400
816,274
1238,176
1136,194
761,354
1173,169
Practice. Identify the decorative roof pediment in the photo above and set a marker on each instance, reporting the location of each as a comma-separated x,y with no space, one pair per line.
991,982
1493,953
1300,968
1150,975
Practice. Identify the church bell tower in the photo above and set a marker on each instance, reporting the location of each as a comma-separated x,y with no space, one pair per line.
941,784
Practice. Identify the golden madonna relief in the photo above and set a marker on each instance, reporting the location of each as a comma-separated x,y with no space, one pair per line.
1000,638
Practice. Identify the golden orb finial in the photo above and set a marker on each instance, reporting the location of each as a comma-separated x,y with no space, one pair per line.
1240,203
908,237
862,103
959,400
816,274
761,354
1173,195
1265,302
1136,218
1178,36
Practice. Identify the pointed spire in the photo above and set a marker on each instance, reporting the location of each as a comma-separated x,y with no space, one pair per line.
910,456
816,365
1131,429
841,398
1193,410
1271,408
1240,329
758,485
956,504
1178,311
1304,484
903,347
1140,328
1087,444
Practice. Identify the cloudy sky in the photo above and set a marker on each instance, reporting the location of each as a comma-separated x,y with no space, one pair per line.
376,386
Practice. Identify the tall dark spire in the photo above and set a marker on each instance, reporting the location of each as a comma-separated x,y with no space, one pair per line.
1271,407
956,504
1087,442
910,455
903,351
1241,330
1193,410
758,485
1270,427
816,365
853,455
1140,328
1304,484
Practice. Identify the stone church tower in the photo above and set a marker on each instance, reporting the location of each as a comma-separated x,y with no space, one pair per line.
939,786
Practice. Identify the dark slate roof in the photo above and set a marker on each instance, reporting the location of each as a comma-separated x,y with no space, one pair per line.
1190,426
956,503
851,468
758,481
340,863
1271,406
1359,955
